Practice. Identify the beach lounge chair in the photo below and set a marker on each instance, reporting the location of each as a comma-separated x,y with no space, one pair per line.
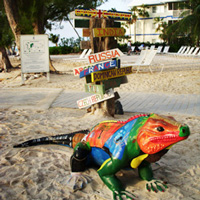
195,51
152,47
140,59
197,54
185,52
182,48
145,59
189,53
88,53
83,53
166,49
150,54
159,49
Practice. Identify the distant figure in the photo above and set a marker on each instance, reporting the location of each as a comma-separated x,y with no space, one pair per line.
129,48
141,47
137,50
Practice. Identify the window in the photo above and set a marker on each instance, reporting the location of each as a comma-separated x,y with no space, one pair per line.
170,22
173,6
154,9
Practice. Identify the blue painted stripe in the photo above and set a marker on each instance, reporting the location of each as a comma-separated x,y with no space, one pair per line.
147,34
169,16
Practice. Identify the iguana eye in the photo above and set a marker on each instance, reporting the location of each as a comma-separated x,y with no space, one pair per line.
160,129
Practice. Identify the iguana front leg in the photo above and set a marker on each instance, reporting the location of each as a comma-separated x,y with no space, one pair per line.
146,173
107,174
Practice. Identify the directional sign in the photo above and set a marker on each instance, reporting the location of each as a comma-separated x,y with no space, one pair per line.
114,82
116,15
85,45
108,32
86,32
112,73
93,88
96,98
104,55
99,67
81,23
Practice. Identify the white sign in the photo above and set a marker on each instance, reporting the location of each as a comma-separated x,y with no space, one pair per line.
96,98
34,53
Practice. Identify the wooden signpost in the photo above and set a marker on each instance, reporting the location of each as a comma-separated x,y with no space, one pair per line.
108,32
103,73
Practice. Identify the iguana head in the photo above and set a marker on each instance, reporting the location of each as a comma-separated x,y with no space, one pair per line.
159,133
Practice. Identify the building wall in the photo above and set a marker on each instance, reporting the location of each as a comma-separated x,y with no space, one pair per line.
145,27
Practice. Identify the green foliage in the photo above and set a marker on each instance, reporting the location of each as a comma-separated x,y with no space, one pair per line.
60,50
54,38
6,36
67,45
188,27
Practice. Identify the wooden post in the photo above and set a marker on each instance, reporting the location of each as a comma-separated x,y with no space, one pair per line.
99,44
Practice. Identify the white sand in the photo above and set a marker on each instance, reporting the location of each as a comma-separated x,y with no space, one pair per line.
42,172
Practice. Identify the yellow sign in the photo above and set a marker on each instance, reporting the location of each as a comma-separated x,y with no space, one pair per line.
108,32
112,73
116,15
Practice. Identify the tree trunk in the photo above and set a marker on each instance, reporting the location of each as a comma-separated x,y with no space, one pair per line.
99,44
5,62
12,13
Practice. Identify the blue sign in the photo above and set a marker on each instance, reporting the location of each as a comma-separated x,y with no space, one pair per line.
100,66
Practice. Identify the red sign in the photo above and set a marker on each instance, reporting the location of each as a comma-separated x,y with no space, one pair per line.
105,55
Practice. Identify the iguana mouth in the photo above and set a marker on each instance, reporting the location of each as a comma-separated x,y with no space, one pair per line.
166,138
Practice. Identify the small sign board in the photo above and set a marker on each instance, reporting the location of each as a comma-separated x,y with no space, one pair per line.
81,23
86,32
104,55
108,32
93,88
99,67
34,53
112,73
96,98
92,13
85,45
114,82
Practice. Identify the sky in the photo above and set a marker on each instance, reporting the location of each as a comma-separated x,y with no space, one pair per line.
68,31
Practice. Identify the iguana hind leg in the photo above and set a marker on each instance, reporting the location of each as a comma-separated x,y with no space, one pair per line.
78,181
79,157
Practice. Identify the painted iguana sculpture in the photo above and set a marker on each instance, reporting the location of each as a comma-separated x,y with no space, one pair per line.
114,145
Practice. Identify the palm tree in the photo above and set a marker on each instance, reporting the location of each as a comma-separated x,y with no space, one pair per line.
54,38
190,24
142,12
134,19
162,28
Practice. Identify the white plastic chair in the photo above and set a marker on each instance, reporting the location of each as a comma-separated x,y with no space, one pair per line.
166,49
159,49
83,53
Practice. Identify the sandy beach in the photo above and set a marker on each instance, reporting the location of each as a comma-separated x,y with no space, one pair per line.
41,172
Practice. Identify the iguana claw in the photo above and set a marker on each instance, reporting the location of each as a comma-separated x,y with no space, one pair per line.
78,181
156,186
126,194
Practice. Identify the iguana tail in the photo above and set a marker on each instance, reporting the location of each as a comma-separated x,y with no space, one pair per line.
70,140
